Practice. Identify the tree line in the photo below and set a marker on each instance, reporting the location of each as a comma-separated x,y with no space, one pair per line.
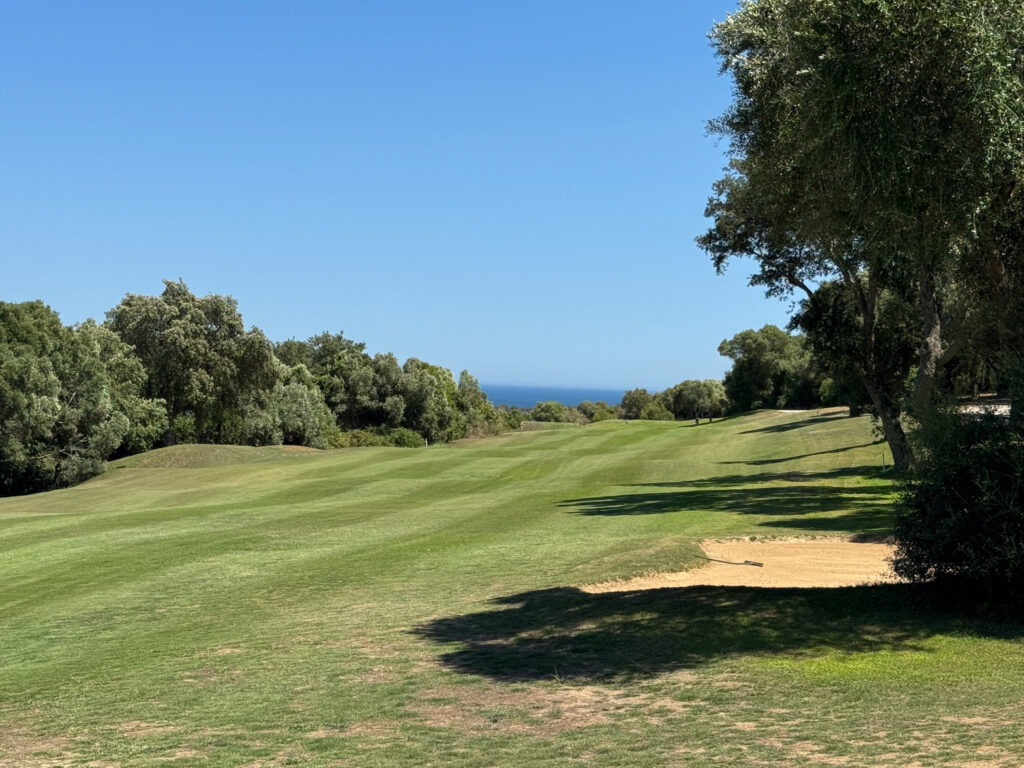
771,368
690,399
177,368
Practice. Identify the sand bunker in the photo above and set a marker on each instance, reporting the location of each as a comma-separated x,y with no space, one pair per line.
829,562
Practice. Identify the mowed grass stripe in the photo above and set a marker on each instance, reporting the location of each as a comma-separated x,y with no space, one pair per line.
224,607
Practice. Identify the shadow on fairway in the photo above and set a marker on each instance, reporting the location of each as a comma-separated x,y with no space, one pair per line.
789,426
795,505
752,482
565,633
763,462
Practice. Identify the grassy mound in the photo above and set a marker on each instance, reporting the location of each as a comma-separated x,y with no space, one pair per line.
191,456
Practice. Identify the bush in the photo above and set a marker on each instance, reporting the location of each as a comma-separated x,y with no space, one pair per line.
962,516
556,412
404,438
362,438
183,430
599,411
512,418
356,438
633,403
656,411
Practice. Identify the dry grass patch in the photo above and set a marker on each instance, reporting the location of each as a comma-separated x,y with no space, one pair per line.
138,729
19,749
536,711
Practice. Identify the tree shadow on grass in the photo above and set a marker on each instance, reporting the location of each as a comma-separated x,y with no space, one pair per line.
763,462
789,426
779,500
808,500
566,633
754,482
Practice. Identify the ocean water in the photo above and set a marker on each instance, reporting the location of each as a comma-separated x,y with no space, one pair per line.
521,396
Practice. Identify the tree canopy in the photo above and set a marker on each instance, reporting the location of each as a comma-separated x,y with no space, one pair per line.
875,144
69,398
771,369
180,368
199,359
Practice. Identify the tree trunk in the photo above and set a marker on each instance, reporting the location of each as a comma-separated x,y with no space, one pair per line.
892,429
902,457
931,342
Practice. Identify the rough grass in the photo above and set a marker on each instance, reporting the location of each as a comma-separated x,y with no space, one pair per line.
387,607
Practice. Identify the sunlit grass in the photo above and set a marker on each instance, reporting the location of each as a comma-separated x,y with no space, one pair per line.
376,607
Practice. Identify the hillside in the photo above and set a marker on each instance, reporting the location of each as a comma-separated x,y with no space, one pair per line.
209,605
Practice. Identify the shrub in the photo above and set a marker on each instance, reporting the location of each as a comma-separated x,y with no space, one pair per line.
599,411
183,430
962,516
512,418
361,438
656,411
633,403
549,410
356,438
404,438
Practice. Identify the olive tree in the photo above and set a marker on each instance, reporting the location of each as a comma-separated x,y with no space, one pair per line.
199,358
69,399
877,144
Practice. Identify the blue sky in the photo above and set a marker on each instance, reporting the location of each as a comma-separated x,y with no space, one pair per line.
508,187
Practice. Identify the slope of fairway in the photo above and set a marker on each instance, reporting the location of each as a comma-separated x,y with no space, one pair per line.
233,606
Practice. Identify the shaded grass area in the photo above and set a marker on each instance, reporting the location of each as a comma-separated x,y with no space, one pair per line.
791,424
389,607
618,636
809,501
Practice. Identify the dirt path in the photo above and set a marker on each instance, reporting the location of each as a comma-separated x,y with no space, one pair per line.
828,562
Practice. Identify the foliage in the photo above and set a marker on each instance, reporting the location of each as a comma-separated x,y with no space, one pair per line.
399,437
634,402
481,417
552,411
693,399
655,410
878,144
511,418
771,369
962,515
843,390
198,358
176,368
365,392
599,411
292,413
69,399
834,331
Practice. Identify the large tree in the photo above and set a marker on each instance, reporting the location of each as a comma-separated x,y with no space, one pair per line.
876,144
771,369
69,399
199,358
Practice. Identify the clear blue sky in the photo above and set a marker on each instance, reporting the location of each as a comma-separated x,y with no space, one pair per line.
508,187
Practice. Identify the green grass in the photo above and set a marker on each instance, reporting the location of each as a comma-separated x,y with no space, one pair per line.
227,606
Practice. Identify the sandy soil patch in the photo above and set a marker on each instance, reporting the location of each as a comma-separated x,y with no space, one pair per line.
831,562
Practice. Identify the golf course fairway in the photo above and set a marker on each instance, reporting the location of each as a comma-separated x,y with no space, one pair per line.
230,606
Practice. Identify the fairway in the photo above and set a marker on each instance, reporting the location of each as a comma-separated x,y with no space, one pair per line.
223,606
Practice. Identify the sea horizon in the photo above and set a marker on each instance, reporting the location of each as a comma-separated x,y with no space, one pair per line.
528,395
